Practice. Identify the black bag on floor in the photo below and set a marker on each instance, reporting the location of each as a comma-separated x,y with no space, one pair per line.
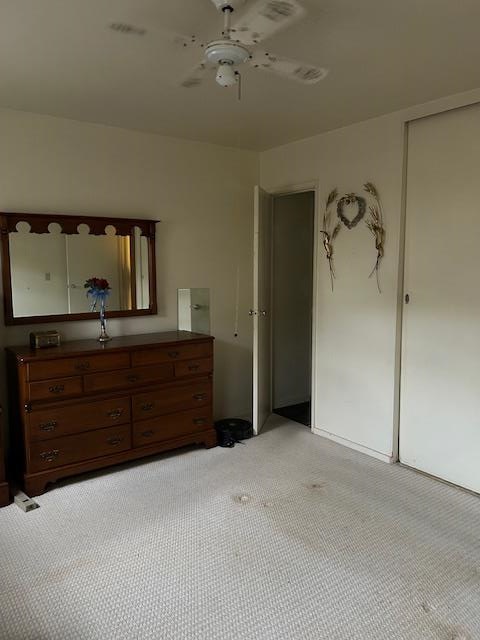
233,430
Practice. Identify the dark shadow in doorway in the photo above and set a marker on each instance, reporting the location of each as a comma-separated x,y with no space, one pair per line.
297,412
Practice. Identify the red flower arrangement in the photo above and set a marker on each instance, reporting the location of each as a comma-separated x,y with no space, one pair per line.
96,286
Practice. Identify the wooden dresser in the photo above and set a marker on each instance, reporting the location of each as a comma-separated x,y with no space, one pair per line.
84,406
4,492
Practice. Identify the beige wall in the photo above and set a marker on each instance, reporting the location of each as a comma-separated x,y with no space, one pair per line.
202,194
357,329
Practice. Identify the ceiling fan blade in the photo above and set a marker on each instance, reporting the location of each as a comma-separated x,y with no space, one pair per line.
196,76
185,41
178,39
292,69
265,18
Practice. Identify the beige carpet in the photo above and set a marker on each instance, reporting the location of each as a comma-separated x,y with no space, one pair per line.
287,537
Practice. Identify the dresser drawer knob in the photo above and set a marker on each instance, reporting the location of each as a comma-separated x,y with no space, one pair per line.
82,366
49,456
173,354
114,440
194,367
116,413
148,406
58,388
199,421
48,426
147,434
200,396
133,378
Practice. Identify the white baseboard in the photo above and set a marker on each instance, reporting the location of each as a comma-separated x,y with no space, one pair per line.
354,445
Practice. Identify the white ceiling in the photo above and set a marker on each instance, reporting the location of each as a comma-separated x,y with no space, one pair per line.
59,57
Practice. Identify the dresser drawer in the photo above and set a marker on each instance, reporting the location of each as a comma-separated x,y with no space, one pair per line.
128,378
160,401
83,446
57,388
75,418
75,366
172,354
170,426
192,367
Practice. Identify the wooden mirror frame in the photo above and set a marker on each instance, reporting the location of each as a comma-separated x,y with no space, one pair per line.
39,223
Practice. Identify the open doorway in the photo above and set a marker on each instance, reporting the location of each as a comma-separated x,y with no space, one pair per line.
292,304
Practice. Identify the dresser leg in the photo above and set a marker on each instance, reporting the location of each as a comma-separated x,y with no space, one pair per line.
35,486
210,440
4,494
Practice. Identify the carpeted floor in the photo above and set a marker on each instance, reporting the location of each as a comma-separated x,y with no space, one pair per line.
287,537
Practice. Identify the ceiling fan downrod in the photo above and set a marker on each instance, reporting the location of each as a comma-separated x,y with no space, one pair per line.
227,21
226,54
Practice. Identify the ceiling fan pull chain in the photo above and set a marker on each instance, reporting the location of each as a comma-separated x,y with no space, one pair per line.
239,84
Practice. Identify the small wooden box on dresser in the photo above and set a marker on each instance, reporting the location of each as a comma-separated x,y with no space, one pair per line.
4,491
85,406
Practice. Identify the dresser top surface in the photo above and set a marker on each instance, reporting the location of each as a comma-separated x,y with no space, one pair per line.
93,347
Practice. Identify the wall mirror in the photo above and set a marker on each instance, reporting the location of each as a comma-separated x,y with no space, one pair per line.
194,310
46,260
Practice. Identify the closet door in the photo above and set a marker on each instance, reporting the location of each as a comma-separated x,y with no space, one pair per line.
440,385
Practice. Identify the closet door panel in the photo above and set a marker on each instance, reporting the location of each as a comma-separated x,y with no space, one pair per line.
440,383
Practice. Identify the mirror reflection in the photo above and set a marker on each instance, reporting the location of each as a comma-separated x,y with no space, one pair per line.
49,270
194,310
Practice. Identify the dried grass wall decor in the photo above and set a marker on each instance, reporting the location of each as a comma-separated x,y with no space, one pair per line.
332,225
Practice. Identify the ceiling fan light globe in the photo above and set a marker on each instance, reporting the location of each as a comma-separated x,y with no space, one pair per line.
226,76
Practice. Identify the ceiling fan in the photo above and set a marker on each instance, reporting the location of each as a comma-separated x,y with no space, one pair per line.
238,43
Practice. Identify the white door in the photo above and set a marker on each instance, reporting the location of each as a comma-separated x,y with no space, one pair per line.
262,242
440,385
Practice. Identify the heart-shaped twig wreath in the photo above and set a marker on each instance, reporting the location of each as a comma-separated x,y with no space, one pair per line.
331,226
351,198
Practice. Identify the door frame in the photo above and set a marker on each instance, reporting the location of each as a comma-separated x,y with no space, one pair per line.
288,190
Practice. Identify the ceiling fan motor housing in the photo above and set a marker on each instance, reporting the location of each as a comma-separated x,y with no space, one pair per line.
226,51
